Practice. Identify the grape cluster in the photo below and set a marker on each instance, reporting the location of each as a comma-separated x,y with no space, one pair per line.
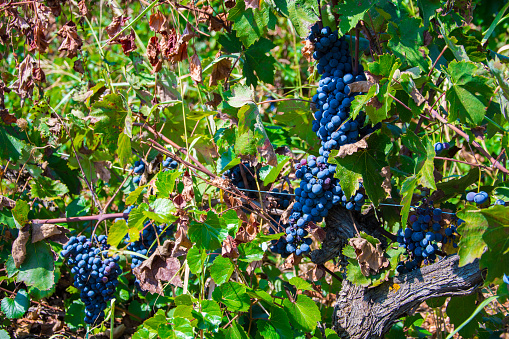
235,175
170,163
333,124
139,168
440,147
479,198
426,229
281,199
278,245
95,274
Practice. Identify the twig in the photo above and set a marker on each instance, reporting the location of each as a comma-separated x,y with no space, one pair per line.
35,302
284,99
100,217
436,61
330,272
465,162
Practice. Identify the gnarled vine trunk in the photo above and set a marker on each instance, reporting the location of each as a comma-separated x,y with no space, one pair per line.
362,312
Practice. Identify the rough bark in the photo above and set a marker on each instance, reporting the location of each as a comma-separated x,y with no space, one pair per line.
362,312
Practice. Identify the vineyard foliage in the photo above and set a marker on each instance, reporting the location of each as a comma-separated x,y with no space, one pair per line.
154,154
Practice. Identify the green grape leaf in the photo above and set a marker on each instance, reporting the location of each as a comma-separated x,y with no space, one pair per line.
110,114
235,331
303,313
250,252
250,23
407,191
407,42
302,14
230,42
496,237
210,233
165,182
277,327
196,258
240,95
233,295
221,270
12,147
38,268
425,175
257,61
16,308
469,93
209,316
459,309
117,232
124,149
367,162
134,196
428,9
352,12
457,186
136,221
47,189
164,210
74,315
301,284
20,213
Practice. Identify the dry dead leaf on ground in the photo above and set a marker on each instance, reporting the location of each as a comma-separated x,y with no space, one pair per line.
195,68
371,259
161,266
72,41
19,246
157,22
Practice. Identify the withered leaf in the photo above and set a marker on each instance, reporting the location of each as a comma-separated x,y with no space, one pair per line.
195,68
82,6
216,23
371,259
24,84
229,3
39,41
6,117
352,148
179,201
78,66
161,266
386,184
189,33
115,27
360,86
188,191
39,75
254,4
291,261
4,201
52,231
72,41
153,51
19,246
157,22
220,71
229,248
102,171
248,232
216,100
181,238
127,43
307,50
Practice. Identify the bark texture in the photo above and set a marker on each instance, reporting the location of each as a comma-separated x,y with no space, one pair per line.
362,312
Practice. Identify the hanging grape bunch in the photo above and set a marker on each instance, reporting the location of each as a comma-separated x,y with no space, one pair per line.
426,232
235,175
95,274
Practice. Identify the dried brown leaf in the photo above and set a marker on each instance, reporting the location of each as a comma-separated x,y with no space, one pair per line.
229,248
127,43
52,231
215,101
253,266
115,27
195,68
102,171
181,238
4,201
254,4
315,274
188,191
7,118
291,261
78,66
39,42
38,74
220,71
189,33
229,3
153,51
22,124
307,50
360,86
157,22
82,6
352,148
161,266
371,259
248,232
44,15
72,41
386,184
24,84
267,151
19,246
216,23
